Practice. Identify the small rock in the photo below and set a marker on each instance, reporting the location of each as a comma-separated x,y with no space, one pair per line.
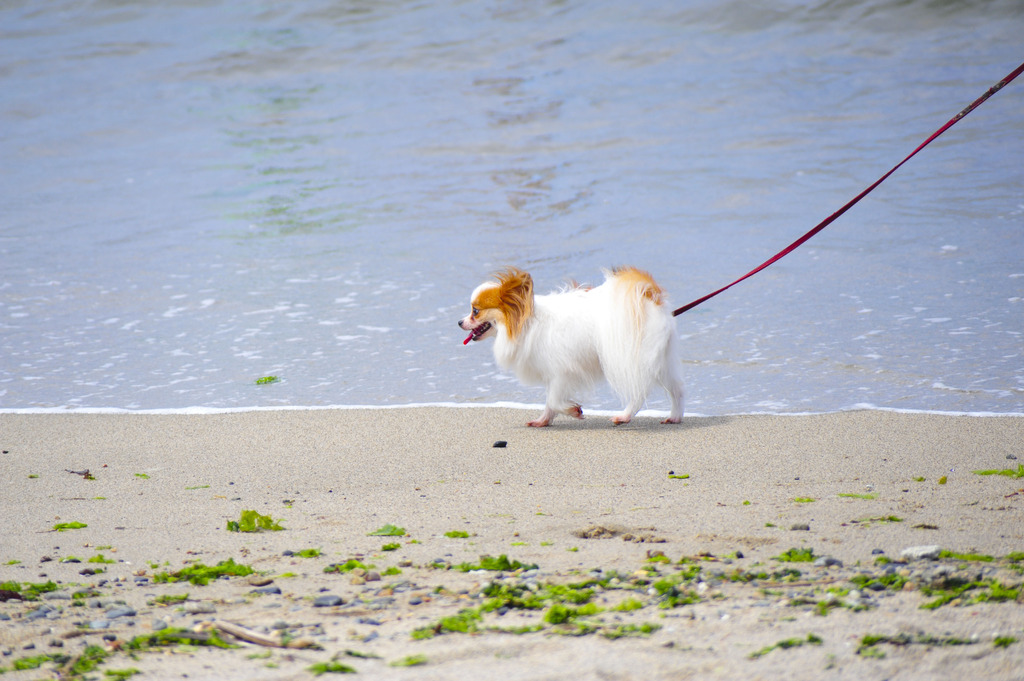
123,611
373,576
380,603
328,601
415,600
877,552
199,608
801,527
99,624
259,580
948,577
930,552
358,580
56,596
1011,457
56,643
158,625
828,561
501,444
272,589
109,637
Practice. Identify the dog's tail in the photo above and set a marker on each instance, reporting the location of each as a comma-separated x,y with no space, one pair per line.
638,283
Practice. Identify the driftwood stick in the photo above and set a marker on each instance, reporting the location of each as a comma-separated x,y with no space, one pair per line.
244,634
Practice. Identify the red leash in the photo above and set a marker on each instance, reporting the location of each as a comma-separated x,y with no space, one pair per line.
830,219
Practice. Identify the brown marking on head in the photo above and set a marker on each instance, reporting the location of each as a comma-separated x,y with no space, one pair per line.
511,299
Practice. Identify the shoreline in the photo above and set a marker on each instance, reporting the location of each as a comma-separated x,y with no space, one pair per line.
600,413
719,498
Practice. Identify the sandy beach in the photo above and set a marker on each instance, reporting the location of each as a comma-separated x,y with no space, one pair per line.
637,552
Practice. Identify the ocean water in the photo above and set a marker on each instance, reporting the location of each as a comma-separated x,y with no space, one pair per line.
197,195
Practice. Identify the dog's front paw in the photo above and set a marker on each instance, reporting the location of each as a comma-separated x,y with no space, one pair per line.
575,411
544,419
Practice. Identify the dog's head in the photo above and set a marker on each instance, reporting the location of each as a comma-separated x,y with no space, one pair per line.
506,302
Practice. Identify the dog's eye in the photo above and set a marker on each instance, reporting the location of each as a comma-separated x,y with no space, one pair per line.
476,311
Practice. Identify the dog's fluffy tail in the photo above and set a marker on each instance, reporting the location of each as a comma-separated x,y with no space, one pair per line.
639,331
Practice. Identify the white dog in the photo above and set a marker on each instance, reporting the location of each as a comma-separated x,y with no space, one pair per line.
622,331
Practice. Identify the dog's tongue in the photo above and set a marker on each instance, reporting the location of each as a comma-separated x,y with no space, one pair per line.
468,338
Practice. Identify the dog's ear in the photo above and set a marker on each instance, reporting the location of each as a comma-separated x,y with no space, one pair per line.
513,280
516,294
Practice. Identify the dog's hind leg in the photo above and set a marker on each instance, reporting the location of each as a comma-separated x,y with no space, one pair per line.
672,381
674,388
